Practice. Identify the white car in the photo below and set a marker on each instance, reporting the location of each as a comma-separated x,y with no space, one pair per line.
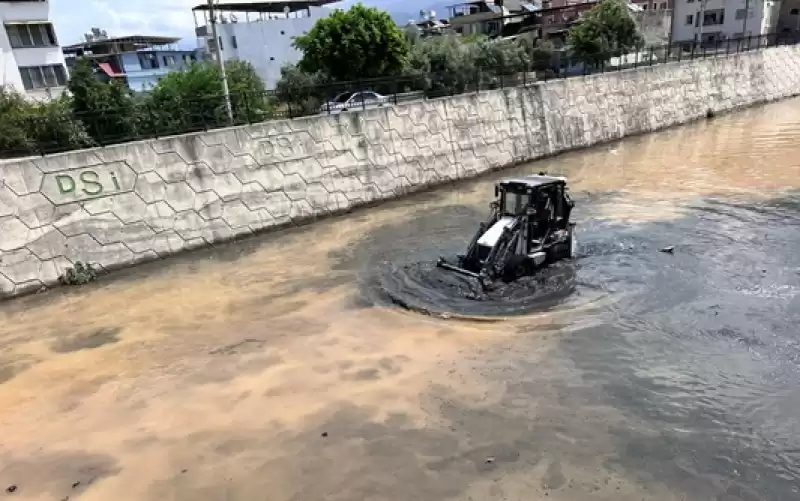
351,101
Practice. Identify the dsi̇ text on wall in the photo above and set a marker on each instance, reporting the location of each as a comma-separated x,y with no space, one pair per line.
135,202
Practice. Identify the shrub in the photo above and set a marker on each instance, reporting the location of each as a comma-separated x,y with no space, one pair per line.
29,127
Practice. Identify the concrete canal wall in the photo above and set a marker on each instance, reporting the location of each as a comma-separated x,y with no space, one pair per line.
140,201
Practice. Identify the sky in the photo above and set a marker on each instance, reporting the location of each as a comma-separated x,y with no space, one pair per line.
73,18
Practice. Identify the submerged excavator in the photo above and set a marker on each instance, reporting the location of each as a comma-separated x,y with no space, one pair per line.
528,228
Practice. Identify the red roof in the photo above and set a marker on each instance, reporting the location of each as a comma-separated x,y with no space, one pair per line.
108,70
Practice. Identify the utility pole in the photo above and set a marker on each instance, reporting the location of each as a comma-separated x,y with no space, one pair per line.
220,62
702,15
744,21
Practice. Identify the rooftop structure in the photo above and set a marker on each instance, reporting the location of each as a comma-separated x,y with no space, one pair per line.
427,24
118,45
548,19
139,61
260,33
487,17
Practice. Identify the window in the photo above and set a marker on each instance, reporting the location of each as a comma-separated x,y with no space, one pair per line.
690,19
663,5
710,38
234,43
740,14
714,17
369,96
169,60
343,97
515,203
689,1
31,35
42,77
148,61
793,12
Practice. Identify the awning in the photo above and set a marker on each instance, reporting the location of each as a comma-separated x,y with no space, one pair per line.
108,70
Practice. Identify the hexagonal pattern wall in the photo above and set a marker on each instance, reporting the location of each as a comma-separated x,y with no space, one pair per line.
140,201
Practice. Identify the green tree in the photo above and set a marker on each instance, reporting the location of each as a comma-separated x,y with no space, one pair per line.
443,65
37,127
362,42
542,55
608,29
108,109
301,93
192,99
14,140
502,56
248,94
55,128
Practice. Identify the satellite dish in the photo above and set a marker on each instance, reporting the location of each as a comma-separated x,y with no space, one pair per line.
234,18
286,10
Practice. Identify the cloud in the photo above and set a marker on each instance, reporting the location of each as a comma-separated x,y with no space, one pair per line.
73,18
123,17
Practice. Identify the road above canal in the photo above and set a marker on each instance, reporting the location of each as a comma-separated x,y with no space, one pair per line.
270,369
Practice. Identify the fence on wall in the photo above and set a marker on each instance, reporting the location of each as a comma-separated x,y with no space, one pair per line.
110,126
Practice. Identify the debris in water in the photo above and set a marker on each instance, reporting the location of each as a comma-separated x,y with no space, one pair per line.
324,433
490,459
76,484
11,488
669,250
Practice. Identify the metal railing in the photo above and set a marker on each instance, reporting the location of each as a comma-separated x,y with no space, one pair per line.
55,133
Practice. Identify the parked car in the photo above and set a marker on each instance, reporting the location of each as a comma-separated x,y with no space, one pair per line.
355,101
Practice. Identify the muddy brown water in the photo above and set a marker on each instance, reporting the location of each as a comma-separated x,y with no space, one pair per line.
272,369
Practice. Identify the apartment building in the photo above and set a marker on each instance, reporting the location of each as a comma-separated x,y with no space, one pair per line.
712,22
138,61
789,18
261,33
30,57
489,17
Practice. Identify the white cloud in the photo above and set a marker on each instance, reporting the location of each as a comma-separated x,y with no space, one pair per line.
72,18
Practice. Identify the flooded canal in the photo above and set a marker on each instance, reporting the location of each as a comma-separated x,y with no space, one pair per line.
274,368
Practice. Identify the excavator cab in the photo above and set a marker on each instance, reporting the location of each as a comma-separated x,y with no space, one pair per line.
528,227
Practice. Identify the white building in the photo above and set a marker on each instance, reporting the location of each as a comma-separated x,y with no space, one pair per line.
712,22
259,33
30,57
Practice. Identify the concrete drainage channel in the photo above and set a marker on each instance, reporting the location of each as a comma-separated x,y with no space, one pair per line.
141,201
